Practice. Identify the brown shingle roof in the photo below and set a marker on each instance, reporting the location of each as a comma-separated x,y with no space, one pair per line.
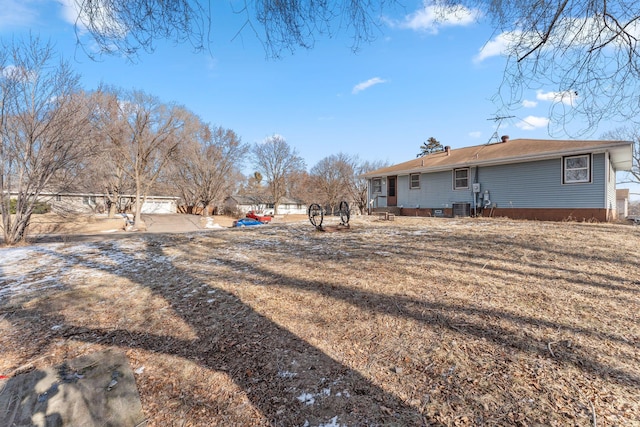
512,151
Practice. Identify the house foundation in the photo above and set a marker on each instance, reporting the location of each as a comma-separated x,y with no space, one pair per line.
557,214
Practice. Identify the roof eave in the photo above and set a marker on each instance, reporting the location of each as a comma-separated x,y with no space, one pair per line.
620,160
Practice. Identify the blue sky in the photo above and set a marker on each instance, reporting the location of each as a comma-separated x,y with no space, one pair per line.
418,80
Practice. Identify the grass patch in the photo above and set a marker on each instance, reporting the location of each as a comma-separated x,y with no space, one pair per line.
419,321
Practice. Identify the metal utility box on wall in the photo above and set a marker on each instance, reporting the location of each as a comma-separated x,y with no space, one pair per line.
476,187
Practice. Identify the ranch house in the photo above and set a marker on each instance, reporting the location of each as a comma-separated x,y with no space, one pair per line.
520,178
264,205
98,202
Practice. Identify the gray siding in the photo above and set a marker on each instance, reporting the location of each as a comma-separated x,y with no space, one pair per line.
521,185
379,199
436,191
539,185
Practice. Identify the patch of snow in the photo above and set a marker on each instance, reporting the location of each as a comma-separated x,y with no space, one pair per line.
307,398
333,422
210,223
286,374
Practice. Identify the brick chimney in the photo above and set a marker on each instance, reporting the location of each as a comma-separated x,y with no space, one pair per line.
447,149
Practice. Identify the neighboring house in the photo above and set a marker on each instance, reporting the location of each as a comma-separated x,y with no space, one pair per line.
159,205
94,202
245,204
520,178
289,206
622,202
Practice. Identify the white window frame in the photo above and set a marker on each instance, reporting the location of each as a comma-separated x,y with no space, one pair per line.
455,179
573,169
376,185
414,185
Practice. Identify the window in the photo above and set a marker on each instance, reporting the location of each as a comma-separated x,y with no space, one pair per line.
460,179
376,185
58,198
577,169
414,181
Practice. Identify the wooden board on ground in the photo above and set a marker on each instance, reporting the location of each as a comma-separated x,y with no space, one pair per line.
97,389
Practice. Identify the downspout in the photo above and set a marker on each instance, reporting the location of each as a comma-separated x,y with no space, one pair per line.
368,196
607,177
475,195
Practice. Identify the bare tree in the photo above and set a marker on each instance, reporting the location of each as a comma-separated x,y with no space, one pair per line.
126,26
209,165
107,170
143,134
276,161
43,125
359,186
585,53
301,188
332,177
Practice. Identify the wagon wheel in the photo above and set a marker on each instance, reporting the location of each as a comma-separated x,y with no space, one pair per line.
344,212
315,214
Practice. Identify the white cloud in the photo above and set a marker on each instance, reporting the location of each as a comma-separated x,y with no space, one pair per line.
569,33
18,74
107,22
532,123
70,11
366,85
9,72
529,104
17,13
275,138
430,18
567,97
496,47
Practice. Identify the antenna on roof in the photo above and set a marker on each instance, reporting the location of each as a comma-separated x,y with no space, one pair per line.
499,120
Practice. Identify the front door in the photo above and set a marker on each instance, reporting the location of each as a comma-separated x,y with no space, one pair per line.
392,199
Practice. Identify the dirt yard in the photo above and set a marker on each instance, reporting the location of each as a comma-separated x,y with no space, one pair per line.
417,321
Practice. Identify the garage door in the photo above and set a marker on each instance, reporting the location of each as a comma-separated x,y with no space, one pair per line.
158,207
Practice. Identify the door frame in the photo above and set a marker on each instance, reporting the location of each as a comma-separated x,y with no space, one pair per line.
392,190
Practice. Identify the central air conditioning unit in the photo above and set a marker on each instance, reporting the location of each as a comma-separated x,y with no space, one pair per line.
461,209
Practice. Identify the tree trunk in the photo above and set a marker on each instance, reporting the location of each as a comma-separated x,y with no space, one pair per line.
113,208
137,219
